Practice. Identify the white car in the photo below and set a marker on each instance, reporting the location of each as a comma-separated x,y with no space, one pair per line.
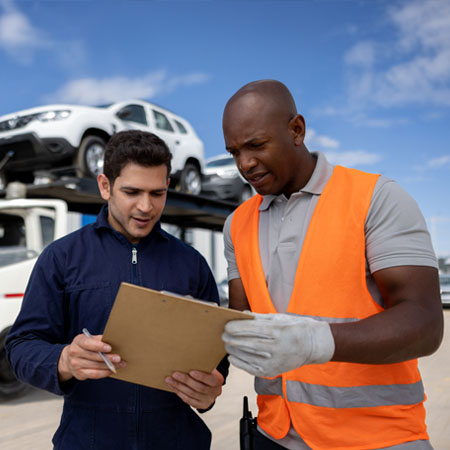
61,139
223,181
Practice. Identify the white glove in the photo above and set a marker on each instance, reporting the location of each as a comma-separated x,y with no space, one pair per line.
275,343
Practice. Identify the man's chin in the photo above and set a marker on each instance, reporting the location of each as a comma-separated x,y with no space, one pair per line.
141,232
266,190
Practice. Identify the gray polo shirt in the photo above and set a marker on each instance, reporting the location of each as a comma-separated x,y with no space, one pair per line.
395,230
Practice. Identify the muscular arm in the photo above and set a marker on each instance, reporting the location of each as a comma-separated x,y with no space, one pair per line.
410,327
236,293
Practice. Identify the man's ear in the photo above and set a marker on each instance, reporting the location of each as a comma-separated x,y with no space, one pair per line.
104,186
298,129
168,182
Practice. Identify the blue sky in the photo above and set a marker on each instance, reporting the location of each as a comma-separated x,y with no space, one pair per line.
372,78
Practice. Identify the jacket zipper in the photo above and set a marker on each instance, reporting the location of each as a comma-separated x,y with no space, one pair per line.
134,260
134,264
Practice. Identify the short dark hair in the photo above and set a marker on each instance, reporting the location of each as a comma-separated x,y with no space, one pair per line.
134,146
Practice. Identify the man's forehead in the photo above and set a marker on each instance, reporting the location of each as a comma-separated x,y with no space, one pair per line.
247,122
131,168
140,177
245,107
238,132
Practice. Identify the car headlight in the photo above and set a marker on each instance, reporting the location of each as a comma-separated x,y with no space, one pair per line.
47,116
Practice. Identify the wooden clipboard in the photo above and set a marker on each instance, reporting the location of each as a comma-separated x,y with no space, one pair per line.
158,333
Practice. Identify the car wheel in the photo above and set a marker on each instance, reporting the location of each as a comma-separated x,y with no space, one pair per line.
191,180
10,386
245,194
90,156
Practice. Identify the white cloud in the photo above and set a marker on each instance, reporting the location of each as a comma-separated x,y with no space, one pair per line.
18,37
96,91
423,23
313,140
361,54
383,123
439,162
414,67
353,158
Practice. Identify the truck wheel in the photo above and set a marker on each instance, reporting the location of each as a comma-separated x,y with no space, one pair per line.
89,159
191,180
9,385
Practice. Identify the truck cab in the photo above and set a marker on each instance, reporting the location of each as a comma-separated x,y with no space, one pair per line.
26,227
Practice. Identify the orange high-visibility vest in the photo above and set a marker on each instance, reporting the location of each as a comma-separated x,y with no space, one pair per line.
334,405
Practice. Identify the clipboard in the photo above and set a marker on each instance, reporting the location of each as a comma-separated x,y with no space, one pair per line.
158,333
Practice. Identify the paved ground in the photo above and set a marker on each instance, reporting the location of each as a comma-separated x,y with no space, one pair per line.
435,371
29,423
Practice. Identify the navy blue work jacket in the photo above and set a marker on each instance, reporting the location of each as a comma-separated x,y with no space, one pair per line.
73,285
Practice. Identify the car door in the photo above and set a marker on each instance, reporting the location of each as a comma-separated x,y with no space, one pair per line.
163,127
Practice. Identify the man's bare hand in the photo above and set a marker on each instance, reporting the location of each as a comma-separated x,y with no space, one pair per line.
81,360
197,389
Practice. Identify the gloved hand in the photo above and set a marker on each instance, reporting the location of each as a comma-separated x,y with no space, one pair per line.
275,343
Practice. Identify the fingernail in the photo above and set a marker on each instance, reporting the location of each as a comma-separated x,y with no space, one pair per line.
116,359
107,348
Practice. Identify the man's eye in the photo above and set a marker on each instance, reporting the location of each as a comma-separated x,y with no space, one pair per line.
130,193
257,144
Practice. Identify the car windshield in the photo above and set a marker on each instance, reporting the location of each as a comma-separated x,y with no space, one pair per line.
12,230
220,162
12,240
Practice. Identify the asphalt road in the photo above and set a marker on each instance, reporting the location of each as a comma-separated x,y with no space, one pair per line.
28,423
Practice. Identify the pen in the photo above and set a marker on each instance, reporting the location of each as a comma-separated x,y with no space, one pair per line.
107,361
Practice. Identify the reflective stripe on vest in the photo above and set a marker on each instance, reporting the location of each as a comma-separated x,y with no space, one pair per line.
342,397
333,405
269,386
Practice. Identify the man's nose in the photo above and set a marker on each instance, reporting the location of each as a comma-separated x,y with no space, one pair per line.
246,162
145,203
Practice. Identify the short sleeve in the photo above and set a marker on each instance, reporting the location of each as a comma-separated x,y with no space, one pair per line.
232,269
395,229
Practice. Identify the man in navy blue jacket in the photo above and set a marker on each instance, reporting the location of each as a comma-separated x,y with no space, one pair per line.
73,285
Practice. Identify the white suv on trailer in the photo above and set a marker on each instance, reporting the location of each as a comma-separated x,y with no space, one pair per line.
70,139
